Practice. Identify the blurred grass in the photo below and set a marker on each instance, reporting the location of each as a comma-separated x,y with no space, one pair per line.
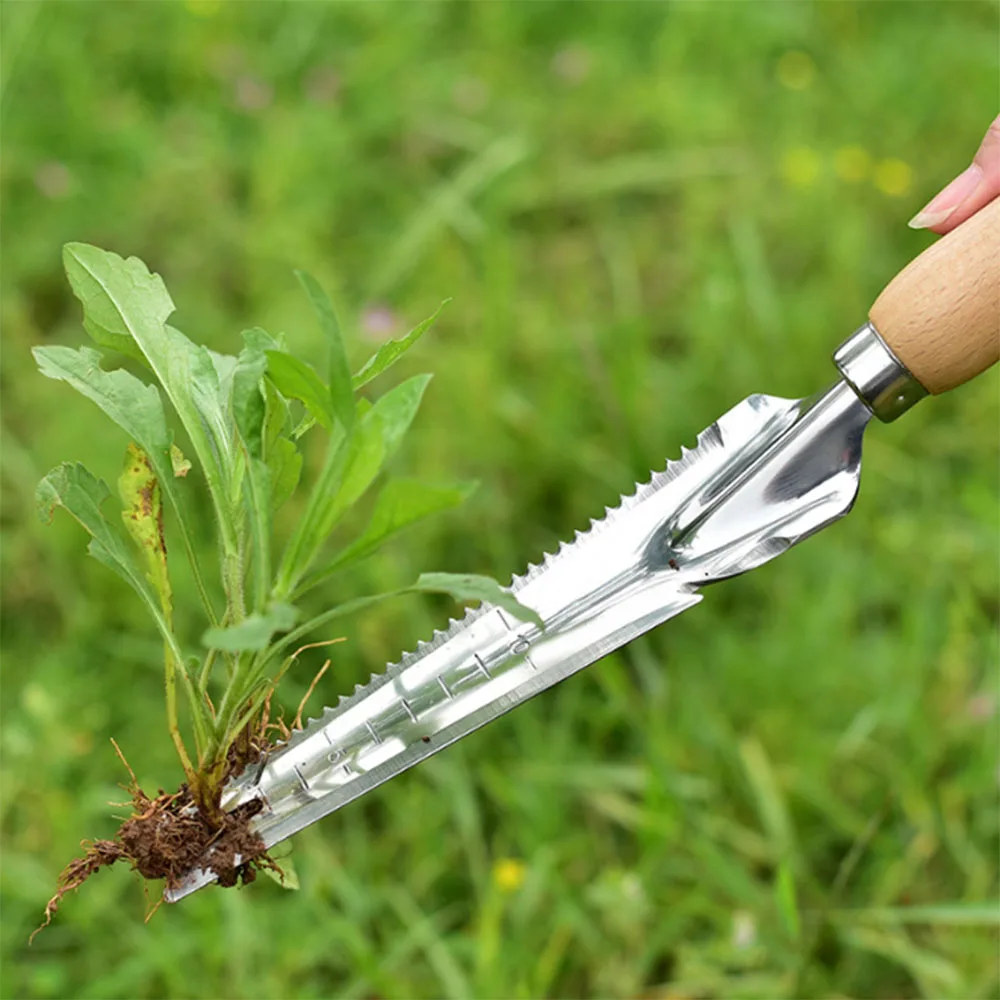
643,212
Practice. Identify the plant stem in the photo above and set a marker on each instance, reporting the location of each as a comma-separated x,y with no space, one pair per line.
170,682
173,659
233,697
206,669
232,579
199,581
259,503
253,703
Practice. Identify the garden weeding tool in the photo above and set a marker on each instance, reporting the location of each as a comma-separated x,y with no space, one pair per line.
766,475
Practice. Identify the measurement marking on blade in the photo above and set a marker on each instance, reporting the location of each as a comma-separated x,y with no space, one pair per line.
482,668
298,774
371,730
444,687
503,618
327,735
408,709
520,647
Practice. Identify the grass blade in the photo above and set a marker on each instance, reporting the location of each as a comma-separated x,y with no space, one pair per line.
935,914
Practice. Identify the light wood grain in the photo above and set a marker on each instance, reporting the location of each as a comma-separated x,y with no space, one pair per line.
941,313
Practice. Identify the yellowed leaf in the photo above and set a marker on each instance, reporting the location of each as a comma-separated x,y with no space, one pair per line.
143,517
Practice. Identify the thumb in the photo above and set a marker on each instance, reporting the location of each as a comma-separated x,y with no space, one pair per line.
975,187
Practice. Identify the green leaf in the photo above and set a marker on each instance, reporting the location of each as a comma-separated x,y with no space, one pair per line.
225,366
189,377
308,422
307,535
259,505
397,408
101,319
402,503
283,459
138,409
81,495
392,350
246,395
468,587
298,380
121,297
143,518
285,464
364,459
351,465
341,390
375,441
275,415
254,632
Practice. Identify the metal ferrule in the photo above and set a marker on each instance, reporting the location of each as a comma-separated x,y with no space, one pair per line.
881,380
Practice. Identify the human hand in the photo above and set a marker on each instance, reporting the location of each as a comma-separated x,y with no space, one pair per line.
975,187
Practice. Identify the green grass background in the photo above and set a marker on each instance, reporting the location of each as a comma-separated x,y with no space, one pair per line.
643,212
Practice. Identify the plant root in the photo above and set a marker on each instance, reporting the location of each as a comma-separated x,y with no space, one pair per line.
168,836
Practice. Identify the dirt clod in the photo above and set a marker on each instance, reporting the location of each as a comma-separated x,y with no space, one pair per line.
168,836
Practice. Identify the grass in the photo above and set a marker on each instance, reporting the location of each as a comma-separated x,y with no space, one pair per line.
643,212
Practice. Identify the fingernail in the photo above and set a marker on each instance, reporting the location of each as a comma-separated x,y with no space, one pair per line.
940,207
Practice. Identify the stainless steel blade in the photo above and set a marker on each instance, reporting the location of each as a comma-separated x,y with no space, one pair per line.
766,475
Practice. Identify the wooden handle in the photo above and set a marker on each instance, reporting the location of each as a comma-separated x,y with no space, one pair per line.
941,313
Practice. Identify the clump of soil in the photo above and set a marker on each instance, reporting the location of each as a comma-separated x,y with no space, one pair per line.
168,836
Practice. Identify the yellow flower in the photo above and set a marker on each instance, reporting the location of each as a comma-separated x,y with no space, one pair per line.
508,874
893,177
800,166
852,163
796,71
